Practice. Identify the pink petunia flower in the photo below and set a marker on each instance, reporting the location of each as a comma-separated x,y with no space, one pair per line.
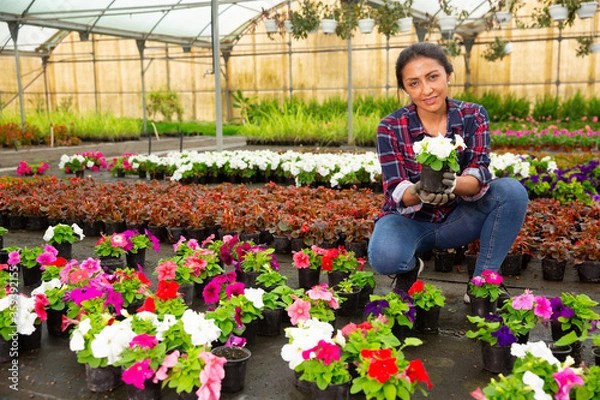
320,292
197,265
299,311
301,260
211,376
78,276
211,292
524,301
478,281
166,270
137,374
492,277
41,301
169,362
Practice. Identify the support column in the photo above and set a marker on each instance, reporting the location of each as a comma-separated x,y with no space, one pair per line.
14,34
141,44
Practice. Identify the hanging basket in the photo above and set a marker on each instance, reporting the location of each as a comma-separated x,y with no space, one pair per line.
595,48
558,12
405,24
287,24
366,25
508,48
447,23
270,25
503,18
587,9
328,25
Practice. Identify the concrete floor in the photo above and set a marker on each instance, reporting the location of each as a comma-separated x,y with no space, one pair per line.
452,361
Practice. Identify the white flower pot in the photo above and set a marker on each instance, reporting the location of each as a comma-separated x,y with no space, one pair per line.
328,25
287,24
508,48
447,23
558,12
595,48
366,25
405,24
587,9
503,18
270,25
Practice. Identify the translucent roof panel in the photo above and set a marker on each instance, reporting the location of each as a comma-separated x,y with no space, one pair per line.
184,22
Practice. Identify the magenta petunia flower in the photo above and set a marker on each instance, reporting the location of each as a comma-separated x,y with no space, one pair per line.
478,281
14,258
235,289
493,278
120,240
144,341
155,241
566,379
238,317
211,292
114,299
48,248
80,295
137,374
46,258
542,308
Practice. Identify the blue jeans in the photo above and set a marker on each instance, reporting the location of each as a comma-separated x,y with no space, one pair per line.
496,219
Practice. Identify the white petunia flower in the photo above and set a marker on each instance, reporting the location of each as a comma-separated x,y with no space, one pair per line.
255,295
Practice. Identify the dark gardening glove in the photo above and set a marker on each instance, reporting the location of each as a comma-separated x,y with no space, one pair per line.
430,197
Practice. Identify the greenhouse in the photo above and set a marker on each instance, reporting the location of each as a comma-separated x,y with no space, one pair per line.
248,199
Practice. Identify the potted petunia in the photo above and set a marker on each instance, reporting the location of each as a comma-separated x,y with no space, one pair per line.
386,370
319,302
375,334
437,155
338,263
428,301
572,317
133,285
396,307
62,237
26,169
187,271
308,263
275,303
525,311
55,291
365,280
136,255
98,340
74,164
111,249
484,292
537,373
496,335
326,367
349,295
193,374
27,262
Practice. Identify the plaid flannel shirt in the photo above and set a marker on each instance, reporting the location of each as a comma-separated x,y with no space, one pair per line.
396,135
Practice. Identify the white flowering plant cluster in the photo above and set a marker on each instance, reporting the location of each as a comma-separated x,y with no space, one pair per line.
71,164
538,375
520,165
61,233
439,151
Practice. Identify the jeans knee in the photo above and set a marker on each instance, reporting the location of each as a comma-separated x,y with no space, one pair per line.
386,260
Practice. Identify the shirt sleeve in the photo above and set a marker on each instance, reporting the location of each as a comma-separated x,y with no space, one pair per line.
475,159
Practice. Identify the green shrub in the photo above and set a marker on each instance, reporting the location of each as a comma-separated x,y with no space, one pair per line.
515,107
545,107
493,104
573,108
593,107
165,102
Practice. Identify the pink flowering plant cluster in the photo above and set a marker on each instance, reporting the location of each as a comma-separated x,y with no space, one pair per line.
324,364
319,302
487,285
122,164
115,245
329,260
182,269
26,169
524,311
204,261
241,307
140,241
537,374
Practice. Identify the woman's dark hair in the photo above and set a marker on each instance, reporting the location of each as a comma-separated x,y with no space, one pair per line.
421,49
